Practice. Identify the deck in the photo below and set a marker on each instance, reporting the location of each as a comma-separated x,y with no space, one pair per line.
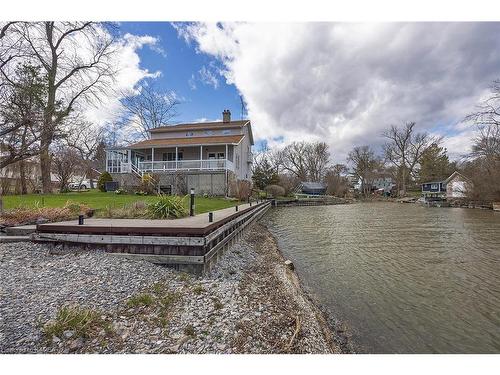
192,244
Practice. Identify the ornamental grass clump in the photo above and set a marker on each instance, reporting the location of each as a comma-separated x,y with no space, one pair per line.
83,322
167,207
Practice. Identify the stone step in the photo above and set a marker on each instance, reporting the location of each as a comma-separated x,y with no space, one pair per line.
7,239
23,230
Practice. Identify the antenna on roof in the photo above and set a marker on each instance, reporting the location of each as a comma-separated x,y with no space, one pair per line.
243,108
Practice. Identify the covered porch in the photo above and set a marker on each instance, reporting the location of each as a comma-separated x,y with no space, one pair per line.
170,159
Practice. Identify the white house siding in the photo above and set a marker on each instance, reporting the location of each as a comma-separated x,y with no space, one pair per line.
193,133
456,189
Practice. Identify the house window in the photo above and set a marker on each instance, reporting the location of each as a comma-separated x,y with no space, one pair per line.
434,186
211,155
170,156
237,161
220,155
226,131
189,134
209,132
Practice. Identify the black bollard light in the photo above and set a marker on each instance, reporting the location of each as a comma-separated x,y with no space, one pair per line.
236,207
80,219
191,204
210,217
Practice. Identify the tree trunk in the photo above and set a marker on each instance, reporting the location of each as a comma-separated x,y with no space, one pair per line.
22,177
45,162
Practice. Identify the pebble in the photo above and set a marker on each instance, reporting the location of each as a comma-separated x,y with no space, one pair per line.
36,283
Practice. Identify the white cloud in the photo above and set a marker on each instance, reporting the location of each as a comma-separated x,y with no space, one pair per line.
192,82
207,77
130,73
344,83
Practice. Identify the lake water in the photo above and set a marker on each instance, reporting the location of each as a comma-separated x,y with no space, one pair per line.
403,278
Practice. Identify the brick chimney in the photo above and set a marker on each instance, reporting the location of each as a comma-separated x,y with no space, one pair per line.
226,116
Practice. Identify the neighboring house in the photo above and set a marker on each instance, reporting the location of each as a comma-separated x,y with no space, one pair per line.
379,183
10,177
434,189
206,156
455,186
312,188
383,183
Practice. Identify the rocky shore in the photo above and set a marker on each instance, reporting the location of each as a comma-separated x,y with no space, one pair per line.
92,302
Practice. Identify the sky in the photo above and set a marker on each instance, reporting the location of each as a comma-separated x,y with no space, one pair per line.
341,83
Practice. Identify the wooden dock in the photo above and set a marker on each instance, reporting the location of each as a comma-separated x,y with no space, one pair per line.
191,244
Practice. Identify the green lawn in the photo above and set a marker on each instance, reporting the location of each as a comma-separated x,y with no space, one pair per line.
98,200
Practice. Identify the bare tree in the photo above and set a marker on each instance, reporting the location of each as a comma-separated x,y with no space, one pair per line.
484,168
77,58
304,160
487,120
66,164
365,164
87,139
404,150
149,109
336,180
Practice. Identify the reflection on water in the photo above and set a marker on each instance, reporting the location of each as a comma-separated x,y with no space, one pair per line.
404,278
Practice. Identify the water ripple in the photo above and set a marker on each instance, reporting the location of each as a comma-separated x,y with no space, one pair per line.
407,279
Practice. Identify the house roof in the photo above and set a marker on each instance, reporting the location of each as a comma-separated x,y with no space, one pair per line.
206,126
192,141
313,185
432,182
448,179
200,125
456,173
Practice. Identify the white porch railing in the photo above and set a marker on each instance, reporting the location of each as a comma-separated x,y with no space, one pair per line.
186,165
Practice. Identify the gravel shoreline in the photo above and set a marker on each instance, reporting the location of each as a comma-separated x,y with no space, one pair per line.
250,303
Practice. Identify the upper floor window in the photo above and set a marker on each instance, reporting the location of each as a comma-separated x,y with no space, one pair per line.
209,132
226,131
189,134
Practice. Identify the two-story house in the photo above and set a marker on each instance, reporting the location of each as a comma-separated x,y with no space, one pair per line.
206,156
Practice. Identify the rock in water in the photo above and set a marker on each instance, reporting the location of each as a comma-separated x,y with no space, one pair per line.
289,264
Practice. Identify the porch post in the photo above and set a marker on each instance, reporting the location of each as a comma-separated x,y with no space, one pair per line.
130,160
201,157
152,158
107,168
225,157
176,158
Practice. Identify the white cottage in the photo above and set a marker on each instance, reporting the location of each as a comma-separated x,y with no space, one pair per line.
457,185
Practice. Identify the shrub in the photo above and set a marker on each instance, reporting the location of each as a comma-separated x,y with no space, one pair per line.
275,190
148,184
121,191
167,207
240,189
103,178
